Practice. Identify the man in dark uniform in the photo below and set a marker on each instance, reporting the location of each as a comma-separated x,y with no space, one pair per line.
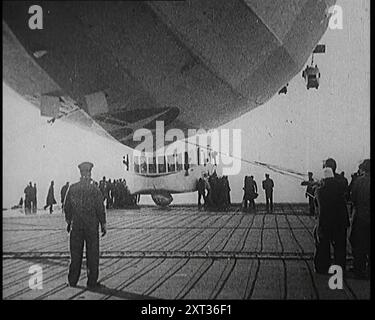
268,188
50,198
310,191
360,234
114,194
250,192
28,198
63,191
84,211
333,219
227,191
108,195
34,199
102,187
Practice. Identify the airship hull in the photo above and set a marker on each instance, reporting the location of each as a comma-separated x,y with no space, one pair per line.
192,64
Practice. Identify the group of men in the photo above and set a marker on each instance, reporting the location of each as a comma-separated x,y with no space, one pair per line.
30,198
339,206
251,192
215,192
116,194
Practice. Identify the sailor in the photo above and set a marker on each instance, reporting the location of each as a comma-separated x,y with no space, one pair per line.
214,196
84,211
310,191
114,193
102,187
34,198
108,193
28,197
50,201
268,185
227,190
250,192
63,191
360,233
333,219
121,194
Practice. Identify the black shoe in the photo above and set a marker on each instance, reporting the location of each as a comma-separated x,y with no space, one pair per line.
73,285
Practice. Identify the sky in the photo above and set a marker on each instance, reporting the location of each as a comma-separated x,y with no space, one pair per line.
297,131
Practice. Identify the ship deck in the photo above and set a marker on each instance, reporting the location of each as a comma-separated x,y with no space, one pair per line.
176,253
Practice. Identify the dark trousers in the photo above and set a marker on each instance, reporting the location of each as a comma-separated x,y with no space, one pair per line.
79,236
360,242
269,201
27,206
251,203
34,206
311,206
109,202
336,236
208,201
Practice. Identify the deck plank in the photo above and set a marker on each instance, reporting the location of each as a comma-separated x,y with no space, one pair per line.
178,253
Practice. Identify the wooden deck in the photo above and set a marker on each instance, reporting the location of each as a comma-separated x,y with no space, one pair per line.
179,253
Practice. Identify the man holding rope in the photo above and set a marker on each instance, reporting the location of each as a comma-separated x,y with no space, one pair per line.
311,184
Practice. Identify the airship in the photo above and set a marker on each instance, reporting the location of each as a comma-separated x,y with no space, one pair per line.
121,66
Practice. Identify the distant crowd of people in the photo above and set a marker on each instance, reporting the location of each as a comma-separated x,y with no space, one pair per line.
215,192
116,194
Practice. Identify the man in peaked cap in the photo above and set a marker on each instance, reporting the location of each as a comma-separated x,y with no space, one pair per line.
268,186
84,211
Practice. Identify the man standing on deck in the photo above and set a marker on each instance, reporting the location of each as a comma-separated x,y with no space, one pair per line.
84,211
50,198
360,237
268,188
102,188
28,197
250,192
63,191
108,195
333,219
34,199
310,190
